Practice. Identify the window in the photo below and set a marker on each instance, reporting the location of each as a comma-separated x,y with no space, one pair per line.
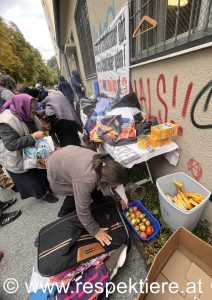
84,36
181,24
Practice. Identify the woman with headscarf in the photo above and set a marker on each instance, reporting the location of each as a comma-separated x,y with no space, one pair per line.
64,121
18,131
65,88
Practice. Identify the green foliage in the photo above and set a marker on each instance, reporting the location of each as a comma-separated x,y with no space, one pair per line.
19,59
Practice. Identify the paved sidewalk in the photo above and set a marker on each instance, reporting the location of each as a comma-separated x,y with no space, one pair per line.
17,243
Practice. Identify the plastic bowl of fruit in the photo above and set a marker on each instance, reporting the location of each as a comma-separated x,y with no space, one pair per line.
142,222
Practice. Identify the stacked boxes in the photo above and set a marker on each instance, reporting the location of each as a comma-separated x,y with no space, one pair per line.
164,131
160,135
155,143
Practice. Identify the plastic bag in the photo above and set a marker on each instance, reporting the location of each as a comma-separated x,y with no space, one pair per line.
35,157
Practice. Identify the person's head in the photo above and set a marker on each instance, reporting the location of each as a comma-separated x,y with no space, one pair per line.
33,92
75,73
7,82
110,173
23,105
61,78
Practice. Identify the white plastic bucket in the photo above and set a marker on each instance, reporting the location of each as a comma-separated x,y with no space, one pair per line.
172,215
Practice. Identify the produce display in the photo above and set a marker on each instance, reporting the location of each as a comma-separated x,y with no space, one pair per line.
185,200
139,221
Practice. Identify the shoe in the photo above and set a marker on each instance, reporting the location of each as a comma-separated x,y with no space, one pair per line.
9,217
1,255
67,207
50,198
6,204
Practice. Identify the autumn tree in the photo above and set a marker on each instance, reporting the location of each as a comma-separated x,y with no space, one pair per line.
21,60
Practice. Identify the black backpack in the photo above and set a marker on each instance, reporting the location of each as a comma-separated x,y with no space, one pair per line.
65,243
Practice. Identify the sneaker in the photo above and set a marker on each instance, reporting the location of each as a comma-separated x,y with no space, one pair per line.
9,217
6,204
50,198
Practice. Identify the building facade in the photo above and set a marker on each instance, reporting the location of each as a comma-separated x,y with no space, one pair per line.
170,67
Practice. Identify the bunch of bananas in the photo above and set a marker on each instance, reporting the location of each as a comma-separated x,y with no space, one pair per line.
185,200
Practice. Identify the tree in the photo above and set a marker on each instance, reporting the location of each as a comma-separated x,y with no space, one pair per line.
21,60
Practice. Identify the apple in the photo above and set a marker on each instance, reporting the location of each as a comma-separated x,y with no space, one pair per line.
137,213
133,216
135,208
144,220
137,227
142,216
152,229
143,228
147,223
143,235
149,230
134,222
127,213
129,218
131,209
138,220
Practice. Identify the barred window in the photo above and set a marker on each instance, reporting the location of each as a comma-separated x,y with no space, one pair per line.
181,24
85,39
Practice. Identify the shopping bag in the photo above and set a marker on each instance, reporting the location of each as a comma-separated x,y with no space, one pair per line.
35,157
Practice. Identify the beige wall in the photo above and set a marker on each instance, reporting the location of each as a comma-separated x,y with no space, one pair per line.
154,84
101,14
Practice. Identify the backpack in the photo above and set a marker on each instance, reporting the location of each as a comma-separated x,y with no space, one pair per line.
65,243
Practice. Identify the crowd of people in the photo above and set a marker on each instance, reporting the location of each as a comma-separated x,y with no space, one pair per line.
74,171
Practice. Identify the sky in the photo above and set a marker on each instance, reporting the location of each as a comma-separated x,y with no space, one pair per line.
29,16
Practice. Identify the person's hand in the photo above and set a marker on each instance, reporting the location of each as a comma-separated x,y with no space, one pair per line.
103,237
82,88
38,135
124,204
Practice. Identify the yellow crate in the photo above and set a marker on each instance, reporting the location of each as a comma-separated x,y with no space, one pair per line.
155,143
164,131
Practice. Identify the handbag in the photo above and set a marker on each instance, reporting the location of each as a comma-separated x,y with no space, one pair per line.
35,157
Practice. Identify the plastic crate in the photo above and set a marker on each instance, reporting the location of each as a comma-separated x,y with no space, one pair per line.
172,215
154,222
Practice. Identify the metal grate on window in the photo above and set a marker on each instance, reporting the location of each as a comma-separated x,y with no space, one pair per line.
85,39
181,24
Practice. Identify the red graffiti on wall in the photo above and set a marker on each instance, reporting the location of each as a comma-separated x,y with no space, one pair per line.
195,168
161,90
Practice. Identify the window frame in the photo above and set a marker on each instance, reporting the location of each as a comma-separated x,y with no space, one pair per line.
165,48
85,39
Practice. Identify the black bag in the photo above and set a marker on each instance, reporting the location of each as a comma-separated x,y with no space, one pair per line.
65,243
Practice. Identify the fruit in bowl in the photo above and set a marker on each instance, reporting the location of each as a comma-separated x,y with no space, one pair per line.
139,221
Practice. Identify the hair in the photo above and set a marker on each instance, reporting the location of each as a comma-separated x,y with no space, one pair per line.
61,78
7,82
34,92
110,172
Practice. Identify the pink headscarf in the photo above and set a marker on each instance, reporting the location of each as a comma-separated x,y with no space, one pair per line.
20,104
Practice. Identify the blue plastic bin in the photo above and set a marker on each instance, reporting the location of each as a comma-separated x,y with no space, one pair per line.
154,222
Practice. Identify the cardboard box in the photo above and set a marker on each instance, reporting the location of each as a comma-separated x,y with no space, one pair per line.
153,142
142,142
184,259
164,131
